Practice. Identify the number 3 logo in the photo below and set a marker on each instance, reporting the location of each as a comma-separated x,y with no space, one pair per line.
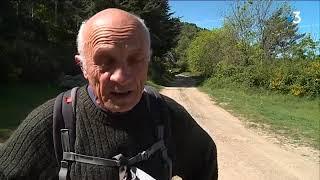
297,18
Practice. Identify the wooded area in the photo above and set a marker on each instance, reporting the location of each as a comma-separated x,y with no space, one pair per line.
38,38
257,46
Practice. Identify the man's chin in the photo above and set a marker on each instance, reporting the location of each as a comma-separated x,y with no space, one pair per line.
120,105
118,108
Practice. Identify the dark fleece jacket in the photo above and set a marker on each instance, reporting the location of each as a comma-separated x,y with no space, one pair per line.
29,152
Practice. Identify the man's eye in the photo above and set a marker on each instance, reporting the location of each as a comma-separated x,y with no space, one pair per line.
105,65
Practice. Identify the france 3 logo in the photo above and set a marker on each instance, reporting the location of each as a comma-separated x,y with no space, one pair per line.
295,19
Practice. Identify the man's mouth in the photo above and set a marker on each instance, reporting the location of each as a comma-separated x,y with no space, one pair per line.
121,94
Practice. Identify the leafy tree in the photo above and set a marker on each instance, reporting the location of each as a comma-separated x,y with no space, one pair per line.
264,23
306,49
187,33
247,18
279,34
246,21
209,48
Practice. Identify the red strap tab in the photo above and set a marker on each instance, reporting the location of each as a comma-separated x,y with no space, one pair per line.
68,100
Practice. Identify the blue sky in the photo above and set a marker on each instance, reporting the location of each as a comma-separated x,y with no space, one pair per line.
209,14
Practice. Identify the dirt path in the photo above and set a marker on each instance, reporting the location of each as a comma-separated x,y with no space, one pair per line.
242,152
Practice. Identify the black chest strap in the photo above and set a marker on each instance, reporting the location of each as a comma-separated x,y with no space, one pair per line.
64,135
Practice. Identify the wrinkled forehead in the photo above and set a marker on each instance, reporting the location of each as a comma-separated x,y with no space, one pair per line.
117,30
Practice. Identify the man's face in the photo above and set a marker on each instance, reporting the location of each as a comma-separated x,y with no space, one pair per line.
117,64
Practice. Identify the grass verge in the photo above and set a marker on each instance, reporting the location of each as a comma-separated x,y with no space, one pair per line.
18,100
295,118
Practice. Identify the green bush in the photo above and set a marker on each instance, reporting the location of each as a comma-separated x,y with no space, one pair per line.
227,61
208,49
299,78
249,76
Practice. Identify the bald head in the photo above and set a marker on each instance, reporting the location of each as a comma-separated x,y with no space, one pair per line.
110,18
114,48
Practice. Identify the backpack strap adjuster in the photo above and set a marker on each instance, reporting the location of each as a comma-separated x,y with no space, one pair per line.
63,173
144,155
122,160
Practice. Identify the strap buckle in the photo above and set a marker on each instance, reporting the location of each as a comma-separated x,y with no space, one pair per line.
144,155
123,161
63,172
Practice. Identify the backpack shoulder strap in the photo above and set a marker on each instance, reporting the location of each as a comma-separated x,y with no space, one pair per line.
160,115
155,102
64,118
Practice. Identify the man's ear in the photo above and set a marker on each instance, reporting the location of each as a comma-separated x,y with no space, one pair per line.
79,61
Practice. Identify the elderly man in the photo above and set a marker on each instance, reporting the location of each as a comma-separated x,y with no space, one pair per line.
111,118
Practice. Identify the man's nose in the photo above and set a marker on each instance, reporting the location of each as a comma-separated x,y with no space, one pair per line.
121,75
